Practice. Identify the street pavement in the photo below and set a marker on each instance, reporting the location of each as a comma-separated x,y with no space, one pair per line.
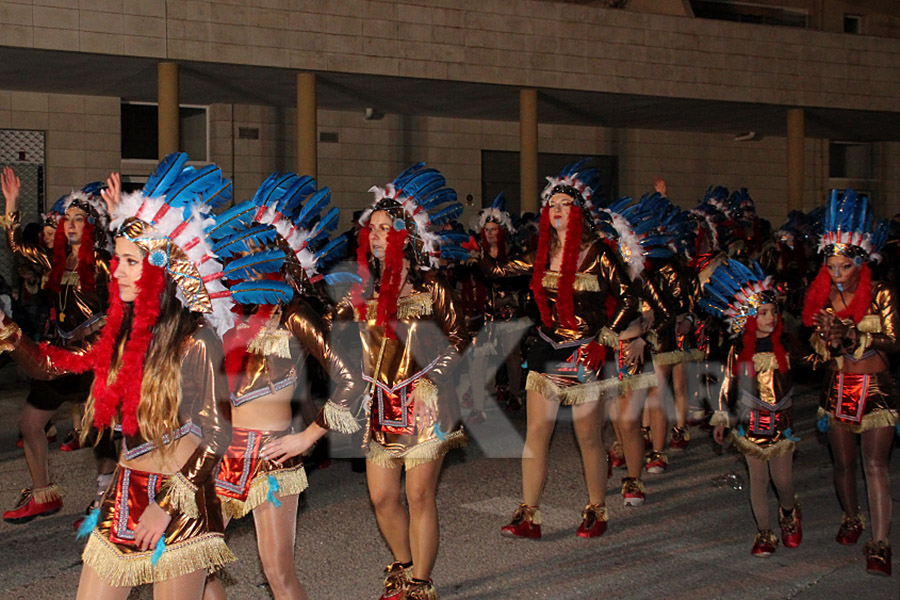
691,540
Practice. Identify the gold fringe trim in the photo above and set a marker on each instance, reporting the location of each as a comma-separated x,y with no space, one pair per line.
720,417
207,552
583,282
572,395
869,324
820,347
182,495
873,420
417,455
291,482
339,419
47,494
426,392
765,361
269,342
412,307
695,355
670,358
70,278
764,453
608,338
639,382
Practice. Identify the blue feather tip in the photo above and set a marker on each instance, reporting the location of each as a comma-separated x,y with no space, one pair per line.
158,551
88,523
274,486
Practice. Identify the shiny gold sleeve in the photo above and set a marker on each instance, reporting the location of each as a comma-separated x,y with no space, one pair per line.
36,364
614,280
343,310
204,389
17,246
516,266
885,302
659,302
310,330
450,318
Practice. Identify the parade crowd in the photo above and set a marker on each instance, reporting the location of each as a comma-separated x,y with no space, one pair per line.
182,331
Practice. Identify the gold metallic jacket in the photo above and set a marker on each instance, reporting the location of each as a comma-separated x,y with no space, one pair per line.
673,289
277,354
37,257
600,275
431,337
878,329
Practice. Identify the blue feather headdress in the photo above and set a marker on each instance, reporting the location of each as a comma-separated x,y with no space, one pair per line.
420,201
290,213
168,219
495,213
581,184
735,292
849,229
638,228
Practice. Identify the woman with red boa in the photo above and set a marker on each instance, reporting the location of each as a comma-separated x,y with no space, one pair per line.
76,282
413,333
856,330
573,274
158,379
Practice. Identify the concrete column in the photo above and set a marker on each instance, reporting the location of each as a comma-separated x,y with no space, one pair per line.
307,156
795,158
167,95
528,149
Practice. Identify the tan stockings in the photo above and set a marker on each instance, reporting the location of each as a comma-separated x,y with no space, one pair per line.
411,536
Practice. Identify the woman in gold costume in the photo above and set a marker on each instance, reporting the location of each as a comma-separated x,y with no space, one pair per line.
413,332
160,521
856,325
585,301
75,276
274,245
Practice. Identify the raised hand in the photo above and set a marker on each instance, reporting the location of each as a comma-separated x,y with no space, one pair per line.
11,185
113,192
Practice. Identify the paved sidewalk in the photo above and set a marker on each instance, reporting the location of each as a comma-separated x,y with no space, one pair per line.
691,540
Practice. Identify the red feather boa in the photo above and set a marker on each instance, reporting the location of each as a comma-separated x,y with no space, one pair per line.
818,293
540,267
125,389
748,349
238,339
86,270
391,278
391,281
565,305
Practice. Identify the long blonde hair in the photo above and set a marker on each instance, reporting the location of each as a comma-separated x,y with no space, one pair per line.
157,411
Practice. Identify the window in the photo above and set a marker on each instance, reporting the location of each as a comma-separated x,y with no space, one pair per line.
852,24
851,160
140,131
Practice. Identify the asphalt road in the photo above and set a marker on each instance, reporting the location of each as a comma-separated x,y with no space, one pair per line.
691,539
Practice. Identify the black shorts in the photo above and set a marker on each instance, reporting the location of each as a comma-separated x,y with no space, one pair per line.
50,395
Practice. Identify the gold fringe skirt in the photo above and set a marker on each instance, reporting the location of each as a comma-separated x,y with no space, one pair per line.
762,451
419,454
243,480
567,391
191,543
